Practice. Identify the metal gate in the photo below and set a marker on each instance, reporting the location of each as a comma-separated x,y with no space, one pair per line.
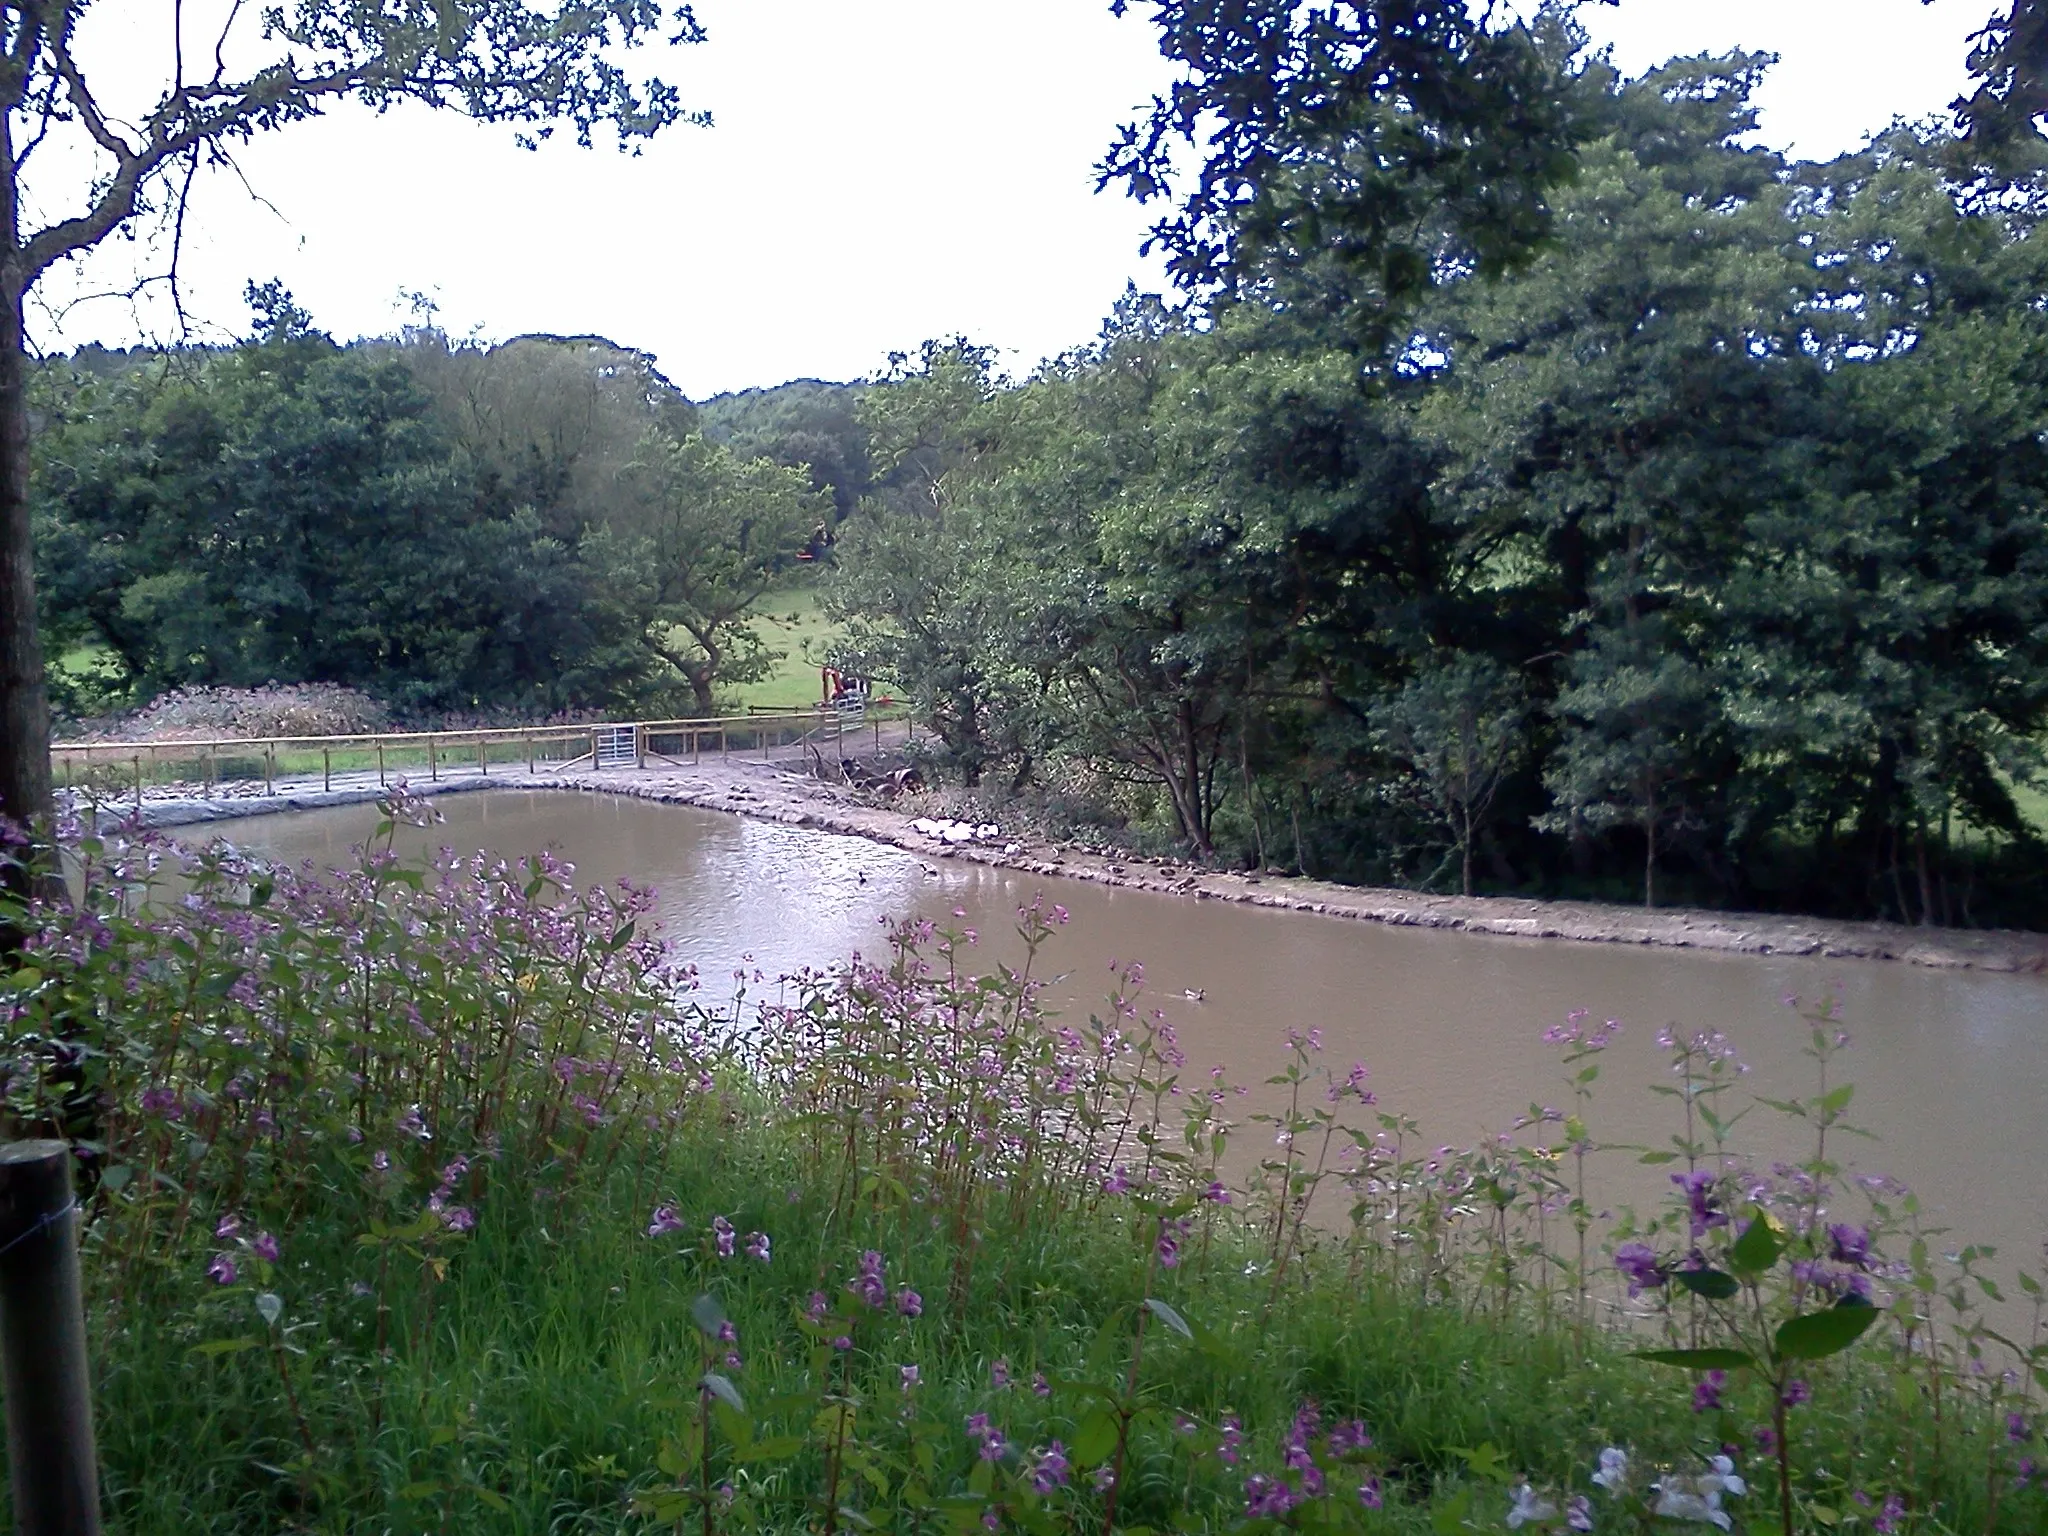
615,746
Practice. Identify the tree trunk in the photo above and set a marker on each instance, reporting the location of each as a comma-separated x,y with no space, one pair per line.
24,706
1649,844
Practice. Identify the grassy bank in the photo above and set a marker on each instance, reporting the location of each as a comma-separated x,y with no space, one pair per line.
428,1201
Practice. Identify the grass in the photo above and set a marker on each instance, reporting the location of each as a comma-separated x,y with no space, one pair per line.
791,620
425,1200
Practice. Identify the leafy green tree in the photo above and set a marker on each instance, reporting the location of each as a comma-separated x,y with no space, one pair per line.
703,537
1456,729
495,60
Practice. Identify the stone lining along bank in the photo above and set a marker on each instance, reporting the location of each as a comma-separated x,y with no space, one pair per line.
767,792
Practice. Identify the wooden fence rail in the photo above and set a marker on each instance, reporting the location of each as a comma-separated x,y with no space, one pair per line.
546,748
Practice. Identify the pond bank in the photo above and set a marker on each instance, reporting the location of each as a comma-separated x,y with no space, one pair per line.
771,793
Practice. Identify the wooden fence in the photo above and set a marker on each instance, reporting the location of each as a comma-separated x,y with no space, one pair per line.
127,766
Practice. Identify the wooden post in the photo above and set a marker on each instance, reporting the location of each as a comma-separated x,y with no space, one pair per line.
433,763
50,1455
138,781
327,768
640,744
483,755
696,746
270,767
529,753
380,765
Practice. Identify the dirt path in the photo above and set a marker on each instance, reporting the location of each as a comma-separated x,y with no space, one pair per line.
774,792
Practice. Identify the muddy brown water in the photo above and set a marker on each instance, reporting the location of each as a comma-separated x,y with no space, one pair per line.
1950,1067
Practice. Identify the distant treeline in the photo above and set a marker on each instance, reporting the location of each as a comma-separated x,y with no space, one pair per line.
522,528
1702,557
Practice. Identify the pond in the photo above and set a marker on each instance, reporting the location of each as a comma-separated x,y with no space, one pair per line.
1950,1067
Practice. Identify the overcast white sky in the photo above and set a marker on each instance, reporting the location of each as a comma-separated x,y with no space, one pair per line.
881,171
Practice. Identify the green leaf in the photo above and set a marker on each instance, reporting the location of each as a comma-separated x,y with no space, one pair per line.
1761,1244
722,1389
708,1315
1698,1359
1837,1100
491,1498
1095,1439
1714,1284
1816,1335
773,1448
1168,1316
1654,1158
213,1348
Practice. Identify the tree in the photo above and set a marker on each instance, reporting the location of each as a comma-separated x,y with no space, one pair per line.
705,535
1457,729
495,60
1377,142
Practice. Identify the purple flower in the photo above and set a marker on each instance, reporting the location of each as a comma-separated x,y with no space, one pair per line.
264,1247
1369,1493
2015,1428
977,1425
1040,1387
666,1220
222,1270
909,1303
162,1101
1578,1514
1267,1497
870,1285
911,1377
1638,1265
1348,1437
1797,1392
1216,1193
459,1218
757,1246
816,1310
999,1375
1850,1245
1168,1246
1887,1519
843,1343
1706,1396
227,1226
1104,1479
380,1160
1051,1468
993,1445
1232,1438
1698,1187
722,1230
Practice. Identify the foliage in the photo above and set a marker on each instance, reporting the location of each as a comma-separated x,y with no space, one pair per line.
1734,484
428,1199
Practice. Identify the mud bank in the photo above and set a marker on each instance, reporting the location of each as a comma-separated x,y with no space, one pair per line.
771,793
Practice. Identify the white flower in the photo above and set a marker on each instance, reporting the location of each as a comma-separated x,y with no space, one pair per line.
1613,1473
1528,1506
1722,1478
1678,1500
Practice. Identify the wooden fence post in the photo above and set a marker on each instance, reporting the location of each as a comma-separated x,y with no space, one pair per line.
483,755
50,1456
380,765
327,767
138,781
433,762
